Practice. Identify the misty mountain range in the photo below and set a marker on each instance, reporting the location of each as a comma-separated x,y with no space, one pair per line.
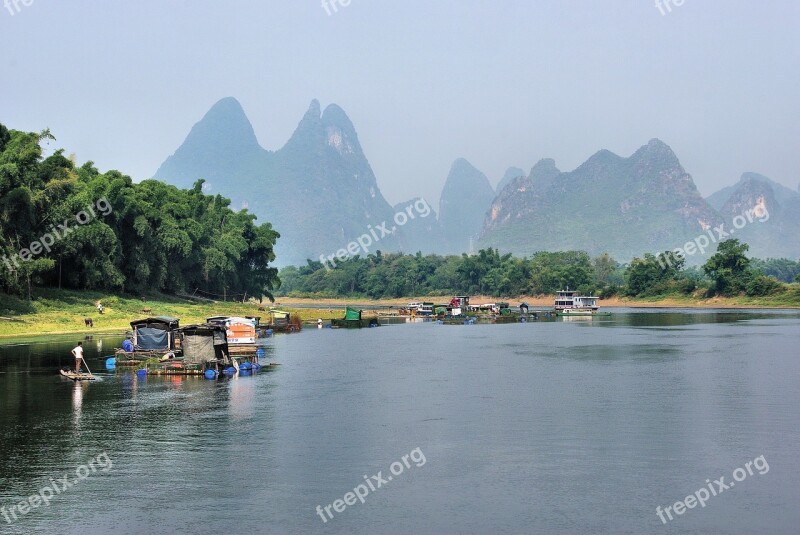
321,194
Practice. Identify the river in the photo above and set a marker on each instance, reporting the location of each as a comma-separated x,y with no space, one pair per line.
584,426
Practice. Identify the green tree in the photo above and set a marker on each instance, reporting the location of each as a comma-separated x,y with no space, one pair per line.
654,275
728,267
155,237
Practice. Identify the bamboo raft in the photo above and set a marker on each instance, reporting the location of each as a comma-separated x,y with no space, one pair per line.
78,376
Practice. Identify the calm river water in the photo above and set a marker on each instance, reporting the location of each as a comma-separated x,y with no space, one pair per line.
556,427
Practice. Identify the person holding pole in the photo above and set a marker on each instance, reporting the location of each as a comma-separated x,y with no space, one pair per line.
77,352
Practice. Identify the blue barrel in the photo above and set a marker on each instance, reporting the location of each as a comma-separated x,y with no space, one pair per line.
141,372
211,374
256,366
246,366
230,370
111,363
260,353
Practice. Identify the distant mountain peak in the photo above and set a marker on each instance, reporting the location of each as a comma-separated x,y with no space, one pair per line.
334,114
510,174
339,131
220,140
227,103
656,151
544,163
314,108
545,169
645,202
309,129
462,163
227,116
657,144
465,175
603,157
465,197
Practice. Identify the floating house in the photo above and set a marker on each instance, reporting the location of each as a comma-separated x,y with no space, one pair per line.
205,347
206,351
152,337
155,334
240,330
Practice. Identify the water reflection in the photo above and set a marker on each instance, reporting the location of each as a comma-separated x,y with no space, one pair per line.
78,391
242,397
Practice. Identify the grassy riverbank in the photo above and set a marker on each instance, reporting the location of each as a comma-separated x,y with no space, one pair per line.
63,311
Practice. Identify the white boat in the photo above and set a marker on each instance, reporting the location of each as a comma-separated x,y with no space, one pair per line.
425,309
568,303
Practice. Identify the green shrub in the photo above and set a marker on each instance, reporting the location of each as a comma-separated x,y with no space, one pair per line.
761,285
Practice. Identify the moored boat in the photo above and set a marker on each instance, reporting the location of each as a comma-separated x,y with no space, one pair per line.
353,320
568,303
281,321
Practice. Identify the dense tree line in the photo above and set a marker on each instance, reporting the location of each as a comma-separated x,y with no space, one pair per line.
74,227
488,272
396,275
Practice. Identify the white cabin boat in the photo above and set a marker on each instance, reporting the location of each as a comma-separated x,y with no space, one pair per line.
569,304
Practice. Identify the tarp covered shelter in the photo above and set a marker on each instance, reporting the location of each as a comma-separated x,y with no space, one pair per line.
154,334
203,343
352,314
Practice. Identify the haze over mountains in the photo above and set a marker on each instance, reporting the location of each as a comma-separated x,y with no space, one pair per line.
321,194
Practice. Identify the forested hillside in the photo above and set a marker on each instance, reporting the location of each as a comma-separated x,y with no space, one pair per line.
74,227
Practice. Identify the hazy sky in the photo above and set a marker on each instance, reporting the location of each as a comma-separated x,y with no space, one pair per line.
499,83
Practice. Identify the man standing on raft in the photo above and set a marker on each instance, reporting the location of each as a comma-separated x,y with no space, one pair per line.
77,352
